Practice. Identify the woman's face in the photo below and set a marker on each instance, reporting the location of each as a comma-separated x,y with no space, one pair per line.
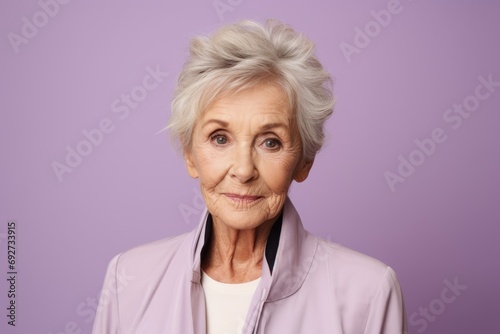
246,151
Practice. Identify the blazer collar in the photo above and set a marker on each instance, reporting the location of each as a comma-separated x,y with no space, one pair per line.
289,254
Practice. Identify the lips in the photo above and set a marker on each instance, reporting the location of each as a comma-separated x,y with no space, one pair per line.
242,198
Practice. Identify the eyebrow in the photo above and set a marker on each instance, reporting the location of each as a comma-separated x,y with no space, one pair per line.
265,127
273,126
217,121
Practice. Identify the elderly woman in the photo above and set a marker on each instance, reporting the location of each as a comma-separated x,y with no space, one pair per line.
248,113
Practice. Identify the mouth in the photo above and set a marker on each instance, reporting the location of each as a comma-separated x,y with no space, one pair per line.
247,199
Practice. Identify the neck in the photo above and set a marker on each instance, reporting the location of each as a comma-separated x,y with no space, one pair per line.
235,256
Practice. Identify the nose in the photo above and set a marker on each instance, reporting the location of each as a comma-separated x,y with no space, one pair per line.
243,165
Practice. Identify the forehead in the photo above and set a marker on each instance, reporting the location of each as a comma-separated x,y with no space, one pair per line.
257,104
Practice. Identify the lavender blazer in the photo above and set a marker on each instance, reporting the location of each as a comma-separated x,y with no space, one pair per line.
315,287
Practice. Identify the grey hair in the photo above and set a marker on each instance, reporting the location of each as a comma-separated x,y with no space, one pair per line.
242,55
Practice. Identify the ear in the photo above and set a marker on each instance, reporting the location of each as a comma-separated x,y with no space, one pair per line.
302,172
191,166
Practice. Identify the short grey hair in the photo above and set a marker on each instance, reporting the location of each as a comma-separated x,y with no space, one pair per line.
242,55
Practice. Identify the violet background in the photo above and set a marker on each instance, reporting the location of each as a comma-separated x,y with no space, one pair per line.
442,223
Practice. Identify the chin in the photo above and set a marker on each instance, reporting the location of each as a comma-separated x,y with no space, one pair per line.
242,220
244,214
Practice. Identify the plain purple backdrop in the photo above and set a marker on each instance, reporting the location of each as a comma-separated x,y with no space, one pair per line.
63,77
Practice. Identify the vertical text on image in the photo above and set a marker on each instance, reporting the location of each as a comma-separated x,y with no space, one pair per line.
11,272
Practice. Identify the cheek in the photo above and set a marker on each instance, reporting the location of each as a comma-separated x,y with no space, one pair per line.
211,166
278,174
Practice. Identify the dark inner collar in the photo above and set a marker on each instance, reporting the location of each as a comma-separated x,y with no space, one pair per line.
273,241
272,244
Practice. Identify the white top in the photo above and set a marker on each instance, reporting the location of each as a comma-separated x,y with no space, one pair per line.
226,304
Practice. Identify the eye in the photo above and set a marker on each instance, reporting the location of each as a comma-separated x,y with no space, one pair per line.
219,139
272,144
